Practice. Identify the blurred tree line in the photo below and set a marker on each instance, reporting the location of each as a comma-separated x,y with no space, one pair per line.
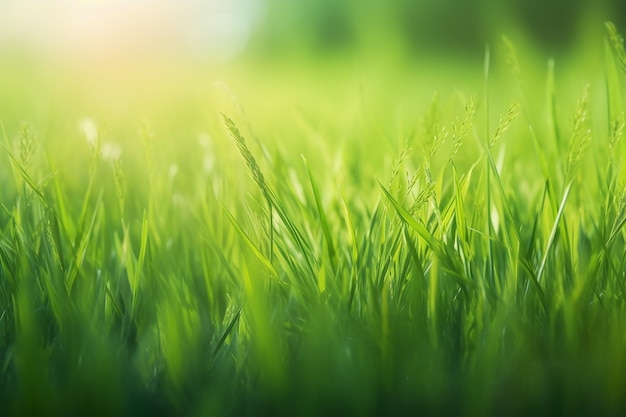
432,25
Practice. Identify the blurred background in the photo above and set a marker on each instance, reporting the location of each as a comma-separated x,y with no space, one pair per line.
220,30
117,60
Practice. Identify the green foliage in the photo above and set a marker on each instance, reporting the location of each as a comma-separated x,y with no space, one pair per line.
482,275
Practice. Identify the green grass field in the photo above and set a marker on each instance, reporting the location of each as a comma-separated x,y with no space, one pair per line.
323,242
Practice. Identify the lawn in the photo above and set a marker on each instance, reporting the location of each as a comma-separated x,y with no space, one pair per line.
351,237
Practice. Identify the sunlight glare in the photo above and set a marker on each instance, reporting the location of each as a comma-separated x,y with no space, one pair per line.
213,30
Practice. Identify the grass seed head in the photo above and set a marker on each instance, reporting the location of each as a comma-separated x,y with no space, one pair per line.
423,197
435,133
617,41
505,123
147,140
253,166
617,130
511,58
398,165
26,145
120,182
460,130
581,132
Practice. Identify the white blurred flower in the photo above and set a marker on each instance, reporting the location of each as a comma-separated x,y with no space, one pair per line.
173,171
205,141
89,128
208,163
110,151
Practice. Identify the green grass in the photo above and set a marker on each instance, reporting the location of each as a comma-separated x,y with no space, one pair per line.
468,261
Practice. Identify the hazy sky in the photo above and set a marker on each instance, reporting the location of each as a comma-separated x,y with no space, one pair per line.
214,30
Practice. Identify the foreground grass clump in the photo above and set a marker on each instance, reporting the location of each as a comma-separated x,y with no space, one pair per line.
484,275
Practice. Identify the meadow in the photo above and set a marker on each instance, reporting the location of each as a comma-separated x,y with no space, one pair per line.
335,241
